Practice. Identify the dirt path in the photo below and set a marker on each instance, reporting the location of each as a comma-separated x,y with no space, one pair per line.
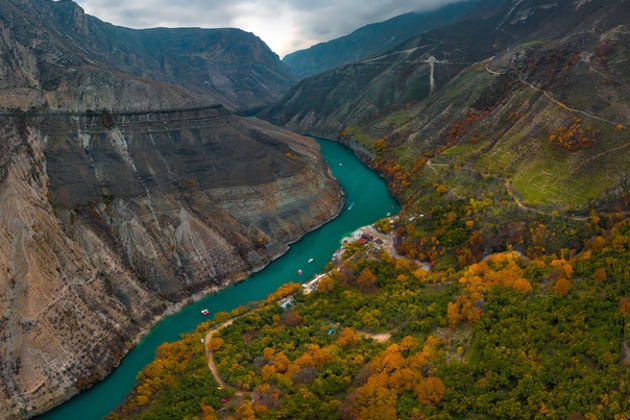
210,355
510,191
381,338
432,166
564,106
623,146
550,97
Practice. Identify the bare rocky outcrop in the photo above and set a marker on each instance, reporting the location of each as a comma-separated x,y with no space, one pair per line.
109,220
54,55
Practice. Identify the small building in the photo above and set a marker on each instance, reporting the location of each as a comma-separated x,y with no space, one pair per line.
286,302
363,241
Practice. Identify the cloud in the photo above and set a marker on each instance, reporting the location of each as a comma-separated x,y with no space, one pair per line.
285,25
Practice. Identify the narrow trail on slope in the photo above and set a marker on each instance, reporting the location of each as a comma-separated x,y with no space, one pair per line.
623,146
510,191
518,202
211,363
550,97
564,106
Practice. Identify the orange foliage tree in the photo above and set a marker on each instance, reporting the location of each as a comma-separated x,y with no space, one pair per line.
366,280
572,137
478,278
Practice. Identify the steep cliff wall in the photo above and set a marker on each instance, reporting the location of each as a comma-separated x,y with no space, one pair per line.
53,54
108,220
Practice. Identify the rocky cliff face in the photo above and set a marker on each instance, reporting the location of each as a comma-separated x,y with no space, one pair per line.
110,219
54,55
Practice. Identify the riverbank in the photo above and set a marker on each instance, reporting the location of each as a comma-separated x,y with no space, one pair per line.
361,185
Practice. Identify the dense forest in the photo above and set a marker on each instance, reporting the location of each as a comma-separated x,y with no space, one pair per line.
534,334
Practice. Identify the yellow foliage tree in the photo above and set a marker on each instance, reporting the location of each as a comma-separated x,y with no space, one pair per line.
281,362
600,274
245,411
348,337
522,285
430,391
440,190
142,400
561,287
267,372
215,343
325,285
420,274
366,280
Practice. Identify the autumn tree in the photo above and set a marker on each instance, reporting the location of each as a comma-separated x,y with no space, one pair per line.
245,411
215,343
600,275
430,391
291,318
366,280
325,285
348,338
561,287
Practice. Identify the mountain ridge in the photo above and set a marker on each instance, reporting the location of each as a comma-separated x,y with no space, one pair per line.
196,64
371,39
456,77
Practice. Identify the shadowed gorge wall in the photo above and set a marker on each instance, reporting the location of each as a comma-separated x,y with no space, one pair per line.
111,219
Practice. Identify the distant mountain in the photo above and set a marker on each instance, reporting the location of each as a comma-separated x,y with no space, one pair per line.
372,39
540,89
56,54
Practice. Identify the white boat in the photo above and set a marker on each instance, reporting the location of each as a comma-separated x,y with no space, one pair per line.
310,260
299,271
205,312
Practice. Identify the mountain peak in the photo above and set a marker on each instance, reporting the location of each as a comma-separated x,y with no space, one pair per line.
73,60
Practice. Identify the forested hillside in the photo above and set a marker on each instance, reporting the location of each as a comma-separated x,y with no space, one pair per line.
507,293
534,94
509,336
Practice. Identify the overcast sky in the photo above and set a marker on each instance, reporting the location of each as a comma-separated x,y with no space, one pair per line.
285,25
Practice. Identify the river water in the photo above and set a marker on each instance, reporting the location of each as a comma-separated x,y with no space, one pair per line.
367,200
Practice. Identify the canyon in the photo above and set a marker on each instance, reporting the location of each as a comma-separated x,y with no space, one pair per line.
112,220
128,186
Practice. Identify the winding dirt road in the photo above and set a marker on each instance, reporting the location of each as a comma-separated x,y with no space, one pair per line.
210,355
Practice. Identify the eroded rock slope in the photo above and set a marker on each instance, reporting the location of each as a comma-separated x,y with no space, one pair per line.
108,220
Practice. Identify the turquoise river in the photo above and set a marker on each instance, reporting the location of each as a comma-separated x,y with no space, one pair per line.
367,200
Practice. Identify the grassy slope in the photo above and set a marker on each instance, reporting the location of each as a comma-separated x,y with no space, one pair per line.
512,140
539,352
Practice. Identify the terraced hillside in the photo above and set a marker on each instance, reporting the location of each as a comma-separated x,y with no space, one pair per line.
532,93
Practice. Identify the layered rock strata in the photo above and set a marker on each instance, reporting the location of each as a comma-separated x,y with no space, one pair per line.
108,220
